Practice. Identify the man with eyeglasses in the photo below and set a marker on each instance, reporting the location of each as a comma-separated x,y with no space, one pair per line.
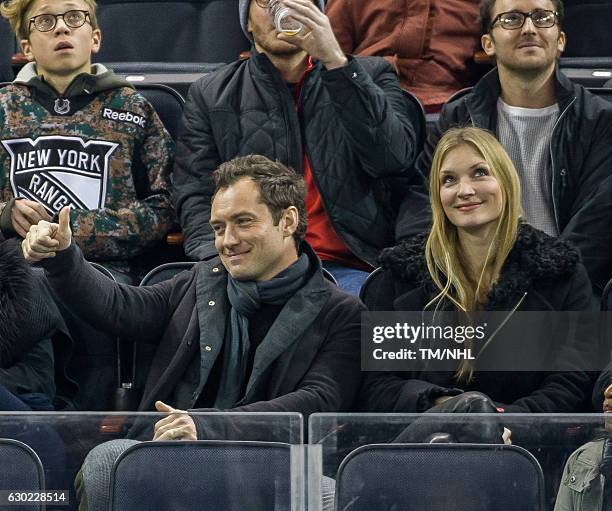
341,121
557,133
73,133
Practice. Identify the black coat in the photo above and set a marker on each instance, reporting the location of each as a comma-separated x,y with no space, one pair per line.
34,343
354,124
581,165
546,269
309,361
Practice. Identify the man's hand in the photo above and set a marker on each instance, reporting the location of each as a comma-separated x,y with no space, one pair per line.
26,213
45,239
507,436
316,38
177,426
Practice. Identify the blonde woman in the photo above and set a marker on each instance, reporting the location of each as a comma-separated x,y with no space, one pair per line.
479,255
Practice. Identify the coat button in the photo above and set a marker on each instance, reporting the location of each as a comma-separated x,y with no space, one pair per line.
573,479
207,348
211,303
215,270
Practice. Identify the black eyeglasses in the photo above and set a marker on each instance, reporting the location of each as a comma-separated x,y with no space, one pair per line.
47,22
514,20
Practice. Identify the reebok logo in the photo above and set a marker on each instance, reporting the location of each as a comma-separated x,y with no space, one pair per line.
124,116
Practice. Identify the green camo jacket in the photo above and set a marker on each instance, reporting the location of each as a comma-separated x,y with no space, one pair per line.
100,148
582,485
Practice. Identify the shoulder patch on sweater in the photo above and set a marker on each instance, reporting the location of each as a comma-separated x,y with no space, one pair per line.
58,171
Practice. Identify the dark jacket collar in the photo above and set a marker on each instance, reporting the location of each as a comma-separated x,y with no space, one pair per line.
264,65
486,92
534,257
294,319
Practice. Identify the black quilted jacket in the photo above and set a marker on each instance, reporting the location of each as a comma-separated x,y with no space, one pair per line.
354,124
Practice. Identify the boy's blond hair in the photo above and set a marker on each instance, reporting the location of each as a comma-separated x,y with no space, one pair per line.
16,12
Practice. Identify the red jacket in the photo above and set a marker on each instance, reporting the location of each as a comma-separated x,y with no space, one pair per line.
428,42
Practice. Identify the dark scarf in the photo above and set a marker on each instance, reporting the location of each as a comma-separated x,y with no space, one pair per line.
246,297
605,469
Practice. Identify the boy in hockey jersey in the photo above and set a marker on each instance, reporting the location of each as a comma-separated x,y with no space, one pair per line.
72,133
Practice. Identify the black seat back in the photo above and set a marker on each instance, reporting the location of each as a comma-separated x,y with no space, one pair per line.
170,31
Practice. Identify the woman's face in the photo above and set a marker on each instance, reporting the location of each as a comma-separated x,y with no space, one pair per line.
471,197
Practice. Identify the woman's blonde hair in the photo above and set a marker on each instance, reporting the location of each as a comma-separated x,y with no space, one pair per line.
16,12
442,250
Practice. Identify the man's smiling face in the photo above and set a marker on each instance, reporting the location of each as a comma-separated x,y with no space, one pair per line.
250,245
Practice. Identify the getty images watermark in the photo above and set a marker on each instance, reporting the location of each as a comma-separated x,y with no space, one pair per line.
490,341
416,334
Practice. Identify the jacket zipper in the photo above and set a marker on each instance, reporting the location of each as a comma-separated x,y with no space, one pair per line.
314,177
506,319
563,172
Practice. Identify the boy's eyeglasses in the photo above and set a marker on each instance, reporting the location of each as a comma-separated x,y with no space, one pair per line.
46,22
514,20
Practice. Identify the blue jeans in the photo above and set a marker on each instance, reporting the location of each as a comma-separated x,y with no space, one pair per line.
348,279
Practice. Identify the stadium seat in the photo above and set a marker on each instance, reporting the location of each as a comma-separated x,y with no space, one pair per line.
104,270
606,297
207,475
8,46
21,470
92,363
171,41
167,102
369,287
417,112
587,58
174,31
134,358
602,92
329,276
166,272
432,119
439,477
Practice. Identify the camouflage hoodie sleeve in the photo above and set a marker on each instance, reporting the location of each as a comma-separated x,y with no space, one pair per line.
128,231
5,189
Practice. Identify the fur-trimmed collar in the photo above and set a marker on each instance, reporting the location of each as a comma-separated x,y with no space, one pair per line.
15,295
534,257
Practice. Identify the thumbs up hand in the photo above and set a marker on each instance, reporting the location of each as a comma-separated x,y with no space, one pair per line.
45,239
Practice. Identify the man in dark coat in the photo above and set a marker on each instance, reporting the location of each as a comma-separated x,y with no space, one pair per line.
556,132
255,329
341,121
